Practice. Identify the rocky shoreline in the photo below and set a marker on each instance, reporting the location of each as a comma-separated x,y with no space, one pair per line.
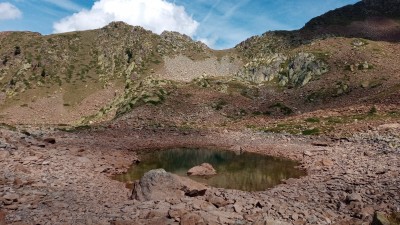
68,182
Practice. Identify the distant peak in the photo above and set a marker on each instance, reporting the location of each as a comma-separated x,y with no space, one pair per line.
120,25
117,24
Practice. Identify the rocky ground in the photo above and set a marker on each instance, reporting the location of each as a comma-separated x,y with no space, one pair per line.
69,182
332,104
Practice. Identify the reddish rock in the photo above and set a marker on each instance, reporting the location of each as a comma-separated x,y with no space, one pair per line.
2,218
192,219
204,169
327,162
217,201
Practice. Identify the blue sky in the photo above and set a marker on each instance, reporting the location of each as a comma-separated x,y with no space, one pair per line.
219,23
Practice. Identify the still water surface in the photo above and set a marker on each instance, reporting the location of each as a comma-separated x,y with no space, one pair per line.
247,172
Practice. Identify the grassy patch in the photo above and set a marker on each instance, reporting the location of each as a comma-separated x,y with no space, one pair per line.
314,131
313,120
326,125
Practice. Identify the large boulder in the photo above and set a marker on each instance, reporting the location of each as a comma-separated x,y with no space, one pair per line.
160,185
204,169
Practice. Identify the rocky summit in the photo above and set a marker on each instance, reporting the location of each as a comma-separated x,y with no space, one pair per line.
79,108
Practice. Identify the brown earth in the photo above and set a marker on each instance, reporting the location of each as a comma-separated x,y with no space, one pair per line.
69,182
343,128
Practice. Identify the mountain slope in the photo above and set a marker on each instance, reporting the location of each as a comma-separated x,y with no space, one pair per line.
77,73
97,75
372,19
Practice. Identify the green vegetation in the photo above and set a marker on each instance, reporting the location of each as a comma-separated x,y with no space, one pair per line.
281,108
372,111
313,131
218,105
324,125
83,63
313,120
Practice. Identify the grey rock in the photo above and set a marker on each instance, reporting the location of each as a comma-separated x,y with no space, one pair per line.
217,201
11,197
160,185
297,70
354,197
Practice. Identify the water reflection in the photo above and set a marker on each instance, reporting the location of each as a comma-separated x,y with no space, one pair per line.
248,171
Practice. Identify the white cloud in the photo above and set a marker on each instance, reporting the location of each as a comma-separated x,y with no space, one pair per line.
8,11
155,15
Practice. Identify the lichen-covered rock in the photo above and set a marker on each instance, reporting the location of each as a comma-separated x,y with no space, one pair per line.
160,185
295,71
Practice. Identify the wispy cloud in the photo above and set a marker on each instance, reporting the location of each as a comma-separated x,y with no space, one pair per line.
210,11
234,8
65,4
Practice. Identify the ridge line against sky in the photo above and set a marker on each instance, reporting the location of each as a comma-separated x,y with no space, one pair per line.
219,23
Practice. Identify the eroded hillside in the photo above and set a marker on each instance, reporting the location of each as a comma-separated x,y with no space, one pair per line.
291,76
